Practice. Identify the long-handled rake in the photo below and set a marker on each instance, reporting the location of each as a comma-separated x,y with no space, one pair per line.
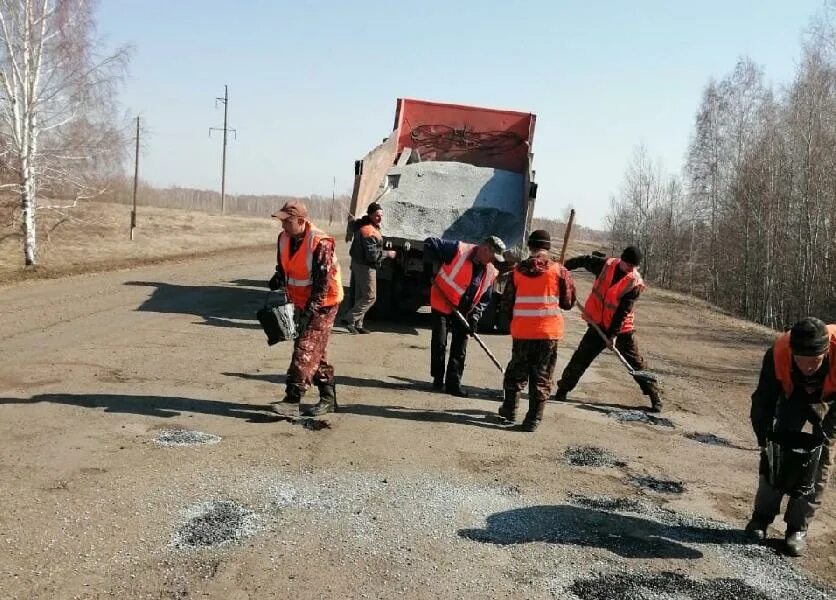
639,376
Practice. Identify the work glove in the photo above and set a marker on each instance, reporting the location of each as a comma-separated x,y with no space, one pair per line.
303,319
274,282
472,324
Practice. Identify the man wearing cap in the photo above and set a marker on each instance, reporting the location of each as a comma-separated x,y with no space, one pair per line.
367,253
464,282
307,268
797,386
609,305
534,296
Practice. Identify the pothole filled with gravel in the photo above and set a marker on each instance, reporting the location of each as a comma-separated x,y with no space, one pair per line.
312,424
640,416
663,486
591,456
709,438
662,586
184,437
214,524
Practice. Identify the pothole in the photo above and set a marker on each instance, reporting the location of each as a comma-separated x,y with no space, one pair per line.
663,486
708,438
662,586
640,416
591,456
184,437
215,523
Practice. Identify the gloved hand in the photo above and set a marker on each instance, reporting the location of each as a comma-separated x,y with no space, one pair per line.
303,319
472,324
274,282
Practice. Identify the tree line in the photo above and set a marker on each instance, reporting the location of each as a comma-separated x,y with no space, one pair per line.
750,223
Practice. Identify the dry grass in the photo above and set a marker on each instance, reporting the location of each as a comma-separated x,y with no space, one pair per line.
95,236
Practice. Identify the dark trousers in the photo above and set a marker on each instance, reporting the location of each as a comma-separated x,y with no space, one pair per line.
444,325
532,362
800,510
590,347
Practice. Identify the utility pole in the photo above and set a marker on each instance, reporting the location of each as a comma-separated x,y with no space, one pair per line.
226,129
136,180
333,201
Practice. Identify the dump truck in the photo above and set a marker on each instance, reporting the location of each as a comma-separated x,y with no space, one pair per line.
451,171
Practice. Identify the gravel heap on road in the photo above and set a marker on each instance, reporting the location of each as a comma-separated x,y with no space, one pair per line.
184,437
410,531
454,200
591,456
215,523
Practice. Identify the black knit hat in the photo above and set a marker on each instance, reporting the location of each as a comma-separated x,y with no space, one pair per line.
373,208
540,240
632,255
809,337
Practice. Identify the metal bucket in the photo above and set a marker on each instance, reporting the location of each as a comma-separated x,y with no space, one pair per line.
277,319
793,459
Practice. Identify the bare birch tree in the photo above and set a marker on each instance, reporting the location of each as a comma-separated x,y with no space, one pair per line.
56,110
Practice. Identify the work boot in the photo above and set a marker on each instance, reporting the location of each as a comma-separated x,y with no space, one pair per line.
350,327
508,410
438,383
327,402
560,394
655,402
456,390
362,330
756,529
292,394
796,542
534,414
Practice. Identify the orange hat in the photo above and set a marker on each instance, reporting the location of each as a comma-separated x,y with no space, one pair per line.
294,208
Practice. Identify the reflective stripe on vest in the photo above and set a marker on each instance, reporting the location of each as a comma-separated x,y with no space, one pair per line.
453,279
537,316
782,358
603,300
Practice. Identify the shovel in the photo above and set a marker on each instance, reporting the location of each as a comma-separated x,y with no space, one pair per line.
639,376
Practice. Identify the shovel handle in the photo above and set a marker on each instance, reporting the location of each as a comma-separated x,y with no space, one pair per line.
604,337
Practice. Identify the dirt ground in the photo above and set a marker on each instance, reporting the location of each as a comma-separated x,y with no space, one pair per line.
96,236
404,493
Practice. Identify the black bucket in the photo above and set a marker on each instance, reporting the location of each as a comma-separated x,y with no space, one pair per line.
793,461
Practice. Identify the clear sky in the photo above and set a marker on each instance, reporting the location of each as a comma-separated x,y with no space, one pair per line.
313,84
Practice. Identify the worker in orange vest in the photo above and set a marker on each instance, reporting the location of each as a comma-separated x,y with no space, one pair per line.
308,270
610,305
367,253
797,386
464,281
534,296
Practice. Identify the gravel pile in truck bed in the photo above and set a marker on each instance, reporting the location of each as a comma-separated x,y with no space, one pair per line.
453,200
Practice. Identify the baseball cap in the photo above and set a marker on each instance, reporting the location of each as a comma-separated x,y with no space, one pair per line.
294,208
497,246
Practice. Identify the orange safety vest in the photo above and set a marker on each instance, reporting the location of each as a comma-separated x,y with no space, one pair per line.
604,298
782,355
297,269
454,278
537,313
370,231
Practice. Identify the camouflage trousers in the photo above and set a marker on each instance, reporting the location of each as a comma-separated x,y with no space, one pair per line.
532,363
309,364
